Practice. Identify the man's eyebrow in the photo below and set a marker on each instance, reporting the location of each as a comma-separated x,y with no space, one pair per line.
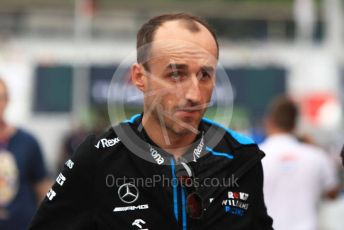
175,66
178,66
208,69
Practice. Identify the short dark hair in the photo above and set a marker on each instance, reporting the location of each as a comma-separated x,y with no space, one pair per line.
284,113
146,33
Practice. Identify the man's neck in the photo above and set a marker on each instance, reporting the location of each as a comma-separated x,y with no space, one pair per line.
171,142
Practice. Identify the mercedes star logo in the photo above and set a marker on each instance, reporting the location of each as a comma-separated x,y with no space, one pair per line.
128,193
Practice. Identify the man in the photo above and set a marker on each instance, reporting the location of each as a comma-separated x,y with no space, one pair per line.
23,177
170,142
297,174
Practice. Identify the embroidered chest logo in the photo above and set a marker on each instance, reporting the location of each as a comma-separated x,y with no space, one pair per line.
236,203
128,193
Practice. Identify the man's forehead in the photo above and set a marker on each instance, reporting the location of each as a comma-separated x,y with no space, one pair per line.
177,56
182,24
178,34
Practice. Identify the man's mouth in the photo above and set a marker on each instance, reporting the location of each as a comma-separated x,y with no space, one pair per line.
197,108
188,112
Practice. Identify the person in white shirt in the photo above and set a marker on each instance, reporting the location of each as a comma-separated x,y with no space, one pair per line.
296,175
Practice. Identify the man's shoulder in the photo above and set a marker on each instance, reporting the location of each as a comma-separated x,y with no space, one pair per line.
236,139
238,148
95,149
108,139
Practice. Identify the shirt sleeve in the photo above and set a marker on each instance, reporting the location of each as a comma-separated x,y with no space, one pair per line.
69,203
261,220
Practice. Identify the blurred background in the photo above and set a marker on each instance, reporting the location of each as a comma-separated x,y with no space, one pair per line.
59,56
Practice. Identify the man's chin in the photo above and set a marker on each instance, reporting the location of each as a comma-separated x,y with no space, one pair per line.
186,127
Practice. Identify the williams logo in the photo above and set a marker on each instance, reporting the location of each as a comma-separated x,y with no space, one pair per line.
236,204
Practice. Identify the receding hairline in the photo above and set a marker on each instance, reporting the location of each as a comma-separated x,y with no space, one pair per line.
146,34
192,26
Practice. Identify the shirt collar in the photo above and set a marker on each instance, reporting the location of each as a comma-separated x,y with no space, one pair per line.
195,151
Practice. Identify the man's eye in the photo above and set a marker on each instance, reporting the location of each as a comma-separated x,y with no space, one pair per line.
204,75
175,75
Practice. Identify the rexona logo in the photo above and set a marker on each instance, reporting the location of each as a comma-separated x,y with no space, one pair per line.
157,157
197,151
106,143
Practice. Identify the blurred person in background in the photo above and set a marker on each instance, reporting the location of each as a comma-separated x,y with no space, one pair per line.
78,134
23,176
296,174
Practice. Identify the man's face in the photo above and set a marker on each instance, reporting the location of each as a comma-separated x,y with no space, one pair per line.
181,77
3,100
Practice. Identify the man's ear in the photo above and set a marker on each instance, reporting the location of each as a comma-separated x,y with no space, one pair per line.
138,76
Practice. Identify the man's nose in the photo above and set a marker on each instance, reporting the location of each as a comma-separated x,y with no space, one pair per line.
192,91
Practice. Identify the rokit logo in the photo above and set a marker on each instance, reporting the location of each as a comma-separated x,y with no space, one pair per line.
106,143
238,196
236,204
